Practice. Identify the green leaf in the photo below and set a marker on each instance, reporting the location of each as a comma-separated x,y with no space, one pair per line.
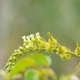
31,74
37,60
41,60
21,66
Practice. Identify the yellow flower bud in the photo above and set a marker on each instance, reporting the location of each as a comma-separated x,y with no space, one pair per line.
65,56
62,49
48,48
52,40
77,50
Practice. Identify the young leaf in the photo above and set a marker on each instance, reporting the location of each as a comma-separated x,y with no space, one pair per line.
37,60
31,74
41,60
21,66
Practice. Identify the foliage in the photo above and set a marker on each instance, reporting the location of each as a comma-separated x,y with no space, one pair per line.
36,66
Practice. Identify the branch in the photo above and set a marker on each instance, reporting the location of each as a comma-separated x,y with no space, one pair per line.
35,42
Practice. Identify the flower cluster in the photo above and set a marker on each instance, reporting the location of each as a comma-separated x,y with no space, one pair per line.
35,42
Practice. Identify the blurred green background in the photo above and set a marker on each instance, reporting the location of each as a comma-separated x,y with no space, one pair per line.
24,17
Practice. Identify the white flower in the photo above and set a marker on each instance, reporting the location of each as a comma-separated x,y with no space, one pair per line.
28,37
32,37
24,38
37,35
